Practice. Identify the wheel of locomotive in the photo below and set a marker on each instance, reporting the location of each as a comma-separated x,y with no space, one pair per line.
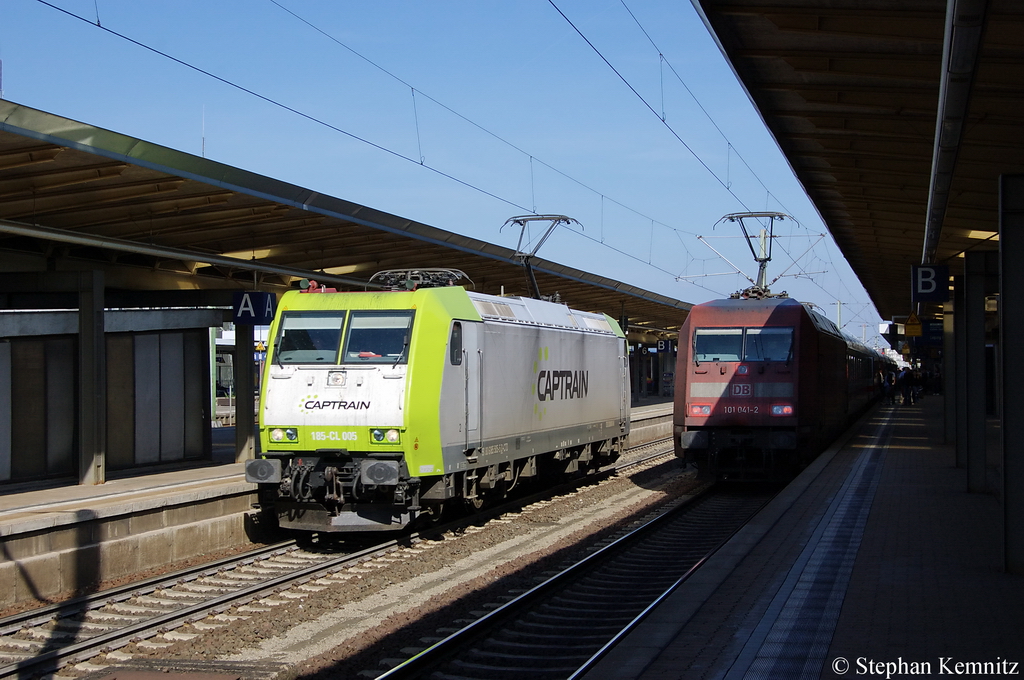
431,514
497,493
307,540
434,511
487,498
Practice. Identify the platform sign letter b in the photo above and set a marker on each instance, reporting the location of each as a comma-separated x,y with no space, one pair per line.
931,283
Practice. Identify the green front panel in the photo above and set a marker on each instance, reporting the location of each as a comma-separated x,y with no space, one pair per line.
420,430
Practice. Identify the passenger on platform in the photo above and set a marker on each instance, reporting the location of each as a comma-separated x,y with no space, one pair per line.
916,386
889,387
903,382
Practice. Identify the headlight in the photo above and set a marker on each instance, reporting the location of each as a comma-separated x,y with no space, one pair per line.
782,409
391,436
284,434
700,409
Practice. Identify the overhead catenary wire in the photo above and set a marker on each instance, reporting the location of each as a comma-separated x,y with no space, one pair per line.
725,184
420,159
731,147
648,105
532,158
288,108
468,120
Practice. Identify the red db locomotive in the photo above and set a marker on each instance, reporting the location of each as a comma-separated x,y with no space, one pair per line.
763,384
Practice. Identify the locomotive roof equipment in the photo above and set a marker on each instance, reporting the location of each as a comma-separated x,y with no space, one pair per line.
523,221
414,279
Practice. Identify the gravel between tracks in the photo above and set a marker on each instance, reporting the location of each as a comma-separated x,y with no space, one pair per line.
369,613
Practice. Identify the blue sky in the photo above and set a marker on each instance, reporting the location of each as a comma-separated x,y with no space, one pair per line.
459,114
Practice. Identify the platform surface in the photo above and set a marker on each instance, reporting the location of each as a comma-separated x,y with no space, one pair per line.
874,562
26,508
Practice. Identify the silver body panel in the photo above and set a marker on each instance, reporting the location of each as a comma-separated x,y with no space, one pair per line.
528,386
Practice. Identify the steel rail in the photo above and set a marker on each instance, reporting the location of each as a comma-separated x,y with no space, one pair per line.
34,617
53,659
440,652
628,628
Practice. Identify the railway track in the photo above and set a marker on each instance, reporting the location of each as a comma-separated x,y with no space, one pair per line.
558,628
44,640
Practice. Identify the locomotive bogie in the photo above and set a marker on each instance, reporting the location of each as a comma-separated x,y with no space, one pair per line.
379,407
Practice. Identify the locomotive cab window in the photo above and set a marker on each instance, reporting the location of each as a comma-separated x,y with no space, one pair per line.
743,344
768,344
455,345
378,337
308,337
717,344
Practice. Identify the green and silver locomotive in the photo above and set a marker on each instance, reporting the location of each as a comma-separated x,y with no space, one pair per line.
378,407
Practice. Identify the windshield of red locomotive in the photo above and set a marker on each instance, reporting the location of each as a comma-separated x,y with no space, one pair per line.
765,343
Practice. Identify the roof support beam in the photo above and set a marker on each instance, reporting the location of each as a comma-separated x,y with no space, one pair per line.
965,21
121,245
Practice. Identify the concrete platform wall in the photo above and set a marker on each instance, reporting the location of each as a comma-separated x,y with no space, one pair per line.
90,546
650,423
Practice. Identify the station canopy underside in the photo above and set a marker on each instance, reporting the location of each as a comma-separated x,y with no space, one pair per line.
854,91
73,197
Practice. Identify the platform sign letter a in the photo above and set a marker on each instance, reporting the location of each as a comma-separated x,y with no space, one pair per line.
931,283
253,309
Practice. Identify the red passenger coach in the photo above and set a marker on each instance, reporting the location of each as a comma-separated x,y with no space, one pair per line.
763,385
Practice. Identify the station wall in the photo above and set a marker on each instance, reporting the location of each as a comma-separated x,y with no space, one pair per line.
158,402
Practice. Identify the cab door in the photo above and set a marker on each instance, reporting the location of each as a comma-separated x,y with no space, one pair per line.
473,380
625,393
464,371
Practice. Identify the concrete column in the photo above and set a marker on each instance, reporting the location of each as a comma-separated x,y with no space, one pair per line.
974,317
1011,329
5,412
92,380
960,369
948,373
245,405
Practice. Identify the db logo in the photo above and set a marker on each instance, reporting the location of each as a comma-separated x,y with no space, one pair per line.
742,390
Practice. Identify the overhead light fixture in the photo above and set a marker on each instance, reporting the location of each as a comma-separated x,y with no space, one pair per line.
257,254
965,44
345,269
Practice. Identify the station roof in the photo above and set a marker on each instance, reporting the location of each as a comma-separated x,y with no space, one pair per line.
73,196
854,92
